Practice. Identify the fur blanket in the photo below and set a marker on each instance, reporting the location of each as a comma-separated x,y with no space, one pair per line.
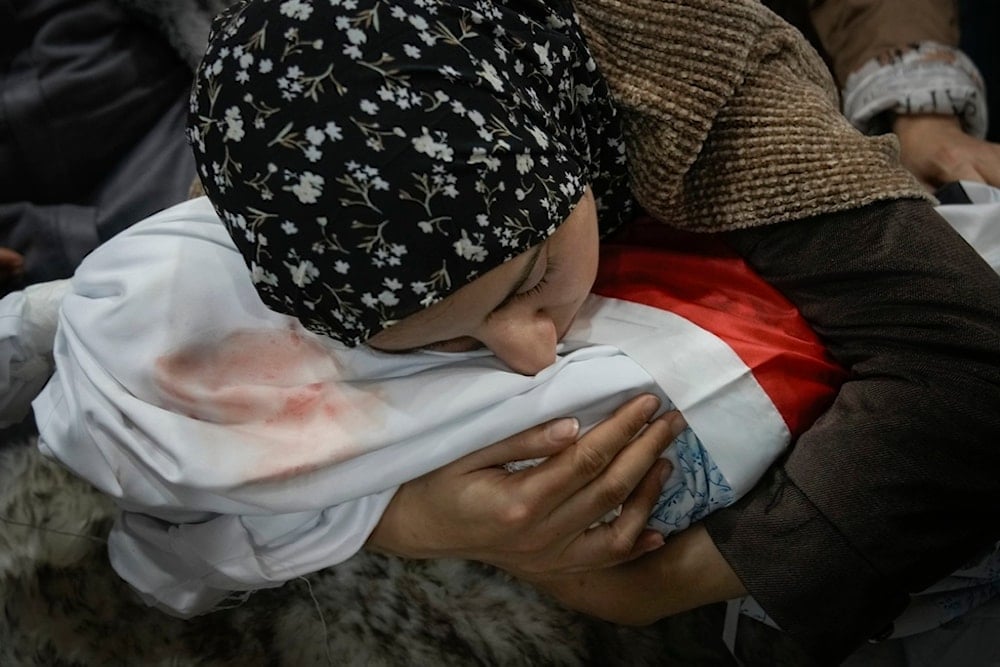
64,605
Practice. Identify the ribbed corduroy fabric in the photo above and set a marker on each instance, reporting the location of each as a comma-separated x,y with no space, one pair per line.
731,117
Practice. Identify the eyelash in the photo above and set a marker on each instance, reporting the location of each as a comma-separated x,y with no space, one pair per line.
540,285
438,346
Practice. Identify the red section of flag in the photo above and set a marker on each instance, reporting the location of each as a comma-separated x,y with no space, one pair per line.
699,278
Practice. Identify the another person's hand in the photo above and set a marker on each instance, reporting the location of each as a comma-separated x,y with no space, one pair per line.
538,520
937,151
11,264
687,572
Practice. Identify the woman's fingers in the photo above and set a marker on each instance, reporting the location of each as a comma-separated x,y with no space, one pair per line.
536,442
632,482
626,537
988,165
937,151
617,483
636,511
540,520
557,480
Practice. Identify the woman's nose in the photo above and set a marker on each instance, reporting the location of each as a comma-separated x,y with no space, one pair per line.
526,343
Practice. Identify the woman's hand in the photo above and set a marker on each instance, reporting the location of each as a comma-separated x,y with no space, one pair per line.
538,520
937,151
687,572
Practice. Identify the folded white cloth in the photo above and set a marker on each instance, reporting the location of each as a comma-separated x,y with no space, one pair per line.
978,222
27,328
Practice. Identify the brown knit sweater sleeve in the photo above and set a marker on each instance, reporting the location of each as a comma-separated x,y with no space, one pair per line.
731,118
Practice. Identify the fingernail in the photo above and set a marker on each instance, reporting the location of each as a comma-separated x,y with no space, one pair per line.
650,404
654,542
677,424
563,429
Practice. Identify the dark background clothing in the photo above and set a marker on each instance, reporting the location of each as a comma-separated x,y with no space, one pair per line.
980,23
920,353
92,110
796,12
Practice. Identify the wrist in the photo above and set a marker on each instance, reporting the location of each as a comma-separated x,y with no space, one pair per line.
686,573
905,125
928,78
694,572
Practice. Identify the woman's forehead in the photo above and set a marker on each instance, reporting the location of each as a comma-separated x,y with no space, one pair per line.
474,301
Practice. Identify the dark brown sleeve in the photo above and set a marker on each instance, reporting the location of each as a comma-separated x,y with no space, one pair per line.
898,483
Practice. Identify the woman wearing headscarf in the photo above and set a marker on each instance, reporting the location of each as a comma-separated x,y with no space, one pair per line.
371,162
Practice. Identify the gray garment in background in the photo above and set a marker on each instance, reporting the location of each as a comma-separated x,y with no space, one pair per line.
92,105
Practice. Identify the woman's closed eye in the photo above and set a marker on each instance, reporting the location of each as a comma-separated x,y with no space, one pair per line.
539,284
530,289
464,344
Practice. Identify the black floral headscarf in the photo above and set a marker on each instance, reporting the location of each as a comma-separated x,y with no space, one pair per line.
370,157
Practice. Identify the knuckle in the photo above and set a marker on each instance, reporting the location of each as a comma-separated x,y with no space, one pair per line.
950,160
628,427
515,516
614,492
951,156
619,546
590,461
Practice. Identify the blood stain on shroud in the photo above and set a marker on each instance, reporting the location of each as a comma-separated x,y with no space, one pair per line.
279,391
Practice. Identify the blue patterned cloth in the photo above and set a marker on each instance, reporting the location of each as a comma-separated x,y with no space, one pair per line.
696,488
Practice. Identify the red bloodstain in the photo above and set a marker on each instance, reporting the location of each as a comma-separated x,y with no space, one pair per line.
280,392
300,403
